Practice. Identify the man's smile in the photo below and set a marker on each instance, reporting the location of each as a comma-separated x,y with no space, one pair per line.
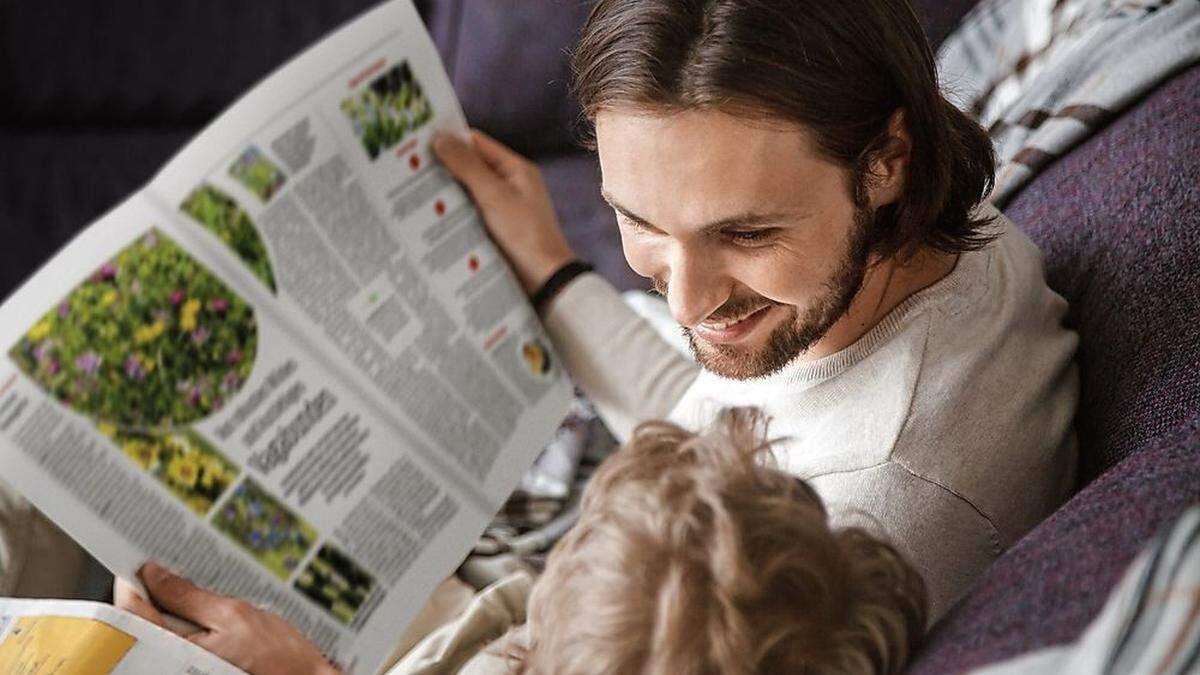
725,331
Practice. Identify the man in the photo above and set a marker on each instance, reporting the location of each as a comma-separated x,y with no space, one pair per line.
791,179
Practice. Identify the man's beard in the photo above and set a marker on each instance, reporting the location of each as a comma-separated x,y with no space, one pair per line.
796,334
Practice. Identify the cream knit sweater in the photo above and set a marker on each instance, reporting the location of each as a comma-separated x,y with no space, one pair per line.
947,426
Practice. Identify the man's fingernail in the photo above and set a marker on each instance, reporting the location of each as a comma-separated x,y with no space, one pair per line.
153,572
446,141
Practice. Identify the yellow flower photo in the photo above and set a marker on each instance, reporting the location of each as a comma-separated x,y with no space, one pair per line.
183,462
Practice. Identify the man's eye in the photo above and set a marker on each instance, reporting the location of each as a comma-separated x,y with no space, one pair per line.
749,236
632,224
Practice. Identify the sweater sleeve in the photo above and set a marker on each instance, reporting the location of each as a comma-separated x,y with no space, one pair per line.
37,559
15,517
615,356
474,641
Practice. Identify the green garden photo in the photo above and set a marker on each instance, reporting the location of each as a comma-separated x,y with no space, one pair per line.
220,214
266,529
337,583
393,106
257,173
190,467
149,342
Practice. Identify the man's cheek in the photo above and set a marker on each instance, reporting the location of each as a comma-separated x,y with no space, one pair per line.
782,283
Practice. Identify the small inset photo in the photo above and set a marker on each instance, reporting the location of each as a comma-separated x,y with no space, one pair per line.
337,583
266,529
220,214
259,174
186,464
536,358
390,108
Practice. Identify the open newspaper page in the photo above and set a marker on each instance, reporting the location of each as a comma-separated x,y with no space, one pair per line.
294,368
57,637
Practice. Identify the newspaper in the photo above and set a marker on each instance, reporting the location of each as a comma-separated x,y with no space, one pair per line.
293,367
63,637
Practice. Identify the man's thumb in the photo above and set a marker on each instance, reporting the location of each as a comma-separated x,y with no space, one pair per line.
183,598
462,160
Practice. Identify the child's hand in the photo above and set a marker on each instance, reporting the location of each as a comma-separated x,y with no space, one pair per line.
252,639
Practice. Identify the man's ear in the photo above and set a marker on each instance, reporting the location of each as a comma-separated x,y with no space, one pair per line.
888,171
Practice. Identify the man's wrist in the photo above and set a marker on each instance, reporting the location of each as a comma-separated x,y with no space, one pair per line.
556,282
534,276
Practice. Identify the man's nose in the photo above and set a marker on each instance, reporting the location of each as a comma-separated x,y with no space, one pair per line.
696,287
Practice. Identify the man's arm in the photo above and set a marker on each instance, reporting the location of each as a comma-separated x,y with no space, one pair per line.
614,355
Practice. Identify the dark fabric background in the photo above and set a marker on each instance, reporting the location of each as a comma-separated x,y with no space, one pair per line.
98,95
95,96
144,62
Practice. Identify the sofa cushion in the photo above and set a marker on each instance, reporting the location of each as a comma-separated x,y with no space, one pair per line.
574,183
144,62
54,181
941,17
1117,221
509,63
1049,586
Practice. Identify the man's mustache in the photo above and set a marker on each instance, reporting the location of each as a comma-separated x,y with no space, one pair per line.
732,309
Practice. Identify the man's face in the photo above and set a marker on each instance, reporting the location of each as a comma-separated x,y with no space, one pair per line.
752,236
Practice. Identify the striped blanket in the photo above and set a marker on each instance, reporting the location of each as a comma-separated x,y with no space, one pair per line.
1150,624
1043,75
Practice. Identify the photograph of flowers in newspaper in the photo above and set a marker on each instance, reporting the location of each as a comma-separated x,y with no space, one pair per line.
147,346
150,343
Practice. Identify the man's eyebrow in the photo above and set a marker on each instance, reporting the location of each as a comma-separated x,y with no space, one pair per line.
751,219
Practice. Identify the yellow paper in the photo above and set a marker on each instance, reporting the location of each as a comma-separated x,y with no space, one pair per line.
63,645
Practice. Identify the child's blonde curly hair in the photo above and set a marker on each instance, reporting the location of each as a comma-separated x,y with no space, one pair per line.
695,555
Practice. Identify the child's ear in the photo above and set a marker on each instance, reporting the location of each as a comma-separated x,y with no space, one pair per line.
889,164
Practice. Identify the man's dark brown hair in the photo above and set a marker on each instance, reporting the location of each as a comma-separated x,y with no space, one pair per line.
838,68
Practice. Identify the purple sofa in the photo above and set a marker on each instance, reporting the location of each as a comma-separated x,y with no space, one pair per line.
94,98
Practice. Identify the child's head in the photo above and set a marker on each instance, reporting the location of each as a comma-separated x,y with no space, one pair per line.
694,555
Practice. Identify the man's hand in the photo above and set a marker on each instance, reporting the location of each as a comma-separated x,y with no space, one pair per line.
254,640
516,206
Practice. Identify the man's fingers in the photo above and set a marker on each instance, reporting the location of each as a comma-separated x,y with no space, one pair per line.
126,597
207,640
498,156
184,599
465,163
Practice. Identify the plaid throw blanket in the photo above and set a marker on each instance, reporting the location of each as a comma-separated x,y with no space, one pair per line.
1043,75
545,505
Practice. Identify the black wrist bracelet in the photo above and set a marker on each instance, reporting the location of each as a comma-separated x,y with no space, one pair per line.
557,281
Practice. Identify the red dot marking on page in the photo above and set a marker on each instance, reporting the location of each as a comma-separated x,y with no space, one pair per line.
473,263
414,161
439,207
